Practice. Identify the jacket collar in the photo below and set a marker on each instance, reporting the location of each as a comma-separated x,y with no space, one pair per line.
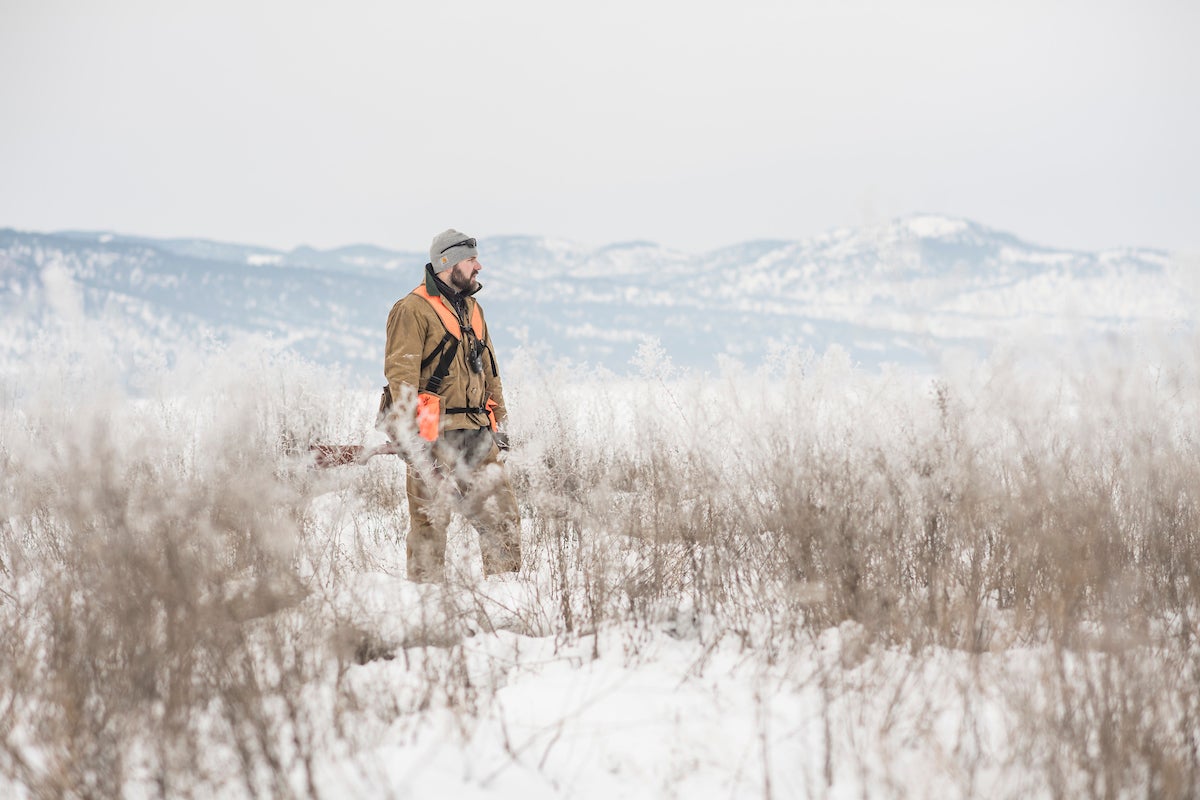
438,288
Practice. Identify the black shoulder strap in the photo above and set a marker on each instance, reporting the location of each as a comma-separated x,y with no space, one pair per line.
448,347
425,362
492,356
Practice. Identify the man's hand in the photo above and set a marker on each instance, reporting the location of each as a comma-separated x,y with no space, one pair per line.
501,439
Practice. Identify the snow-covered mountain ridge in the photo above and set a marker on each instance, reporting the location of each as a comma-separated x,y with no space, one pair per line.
899,292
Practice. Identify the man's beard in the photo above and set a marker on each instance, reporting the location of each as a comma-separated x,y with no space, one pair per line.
461,283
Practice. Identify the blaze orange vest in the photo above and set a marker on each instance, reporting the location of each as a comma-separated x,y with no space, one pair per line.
429,405
447,315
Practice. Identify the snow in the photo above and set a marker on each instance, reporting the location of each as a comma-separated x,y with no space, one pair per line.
373,685
934,227
940,279
264,259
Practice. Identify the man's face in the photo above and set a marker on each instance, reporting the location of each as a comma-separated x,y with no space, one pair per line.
462,275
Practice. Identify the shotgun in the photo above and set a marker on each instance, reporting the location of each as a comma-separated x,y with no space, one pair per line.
340,455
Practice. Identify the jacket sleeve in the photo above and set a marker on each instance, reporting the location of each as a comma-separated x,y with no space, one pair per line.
406,330
491,373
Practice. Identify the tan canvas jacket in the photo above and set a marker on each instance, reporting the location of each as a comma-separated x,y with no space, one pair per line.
414,331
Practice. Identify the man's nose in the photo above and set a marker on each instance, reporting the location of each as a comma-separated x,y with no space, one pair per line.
478,265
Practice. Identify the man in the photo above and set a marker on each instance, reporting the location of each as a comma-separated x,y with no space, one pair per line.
442,376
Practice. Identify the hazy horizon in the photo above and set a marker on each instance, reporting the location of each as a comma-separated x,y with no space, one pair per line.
139,235
690,125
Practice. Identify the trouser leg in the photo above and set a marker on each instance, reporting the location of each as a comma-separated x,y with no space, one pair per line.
470,472
428,519
492,508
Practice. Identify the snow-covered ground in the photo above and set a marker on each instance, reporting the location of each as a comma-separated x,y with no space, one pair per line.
795,579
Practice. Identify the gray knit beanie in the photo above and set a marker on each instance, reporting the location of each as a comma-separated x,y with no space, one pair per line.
450,247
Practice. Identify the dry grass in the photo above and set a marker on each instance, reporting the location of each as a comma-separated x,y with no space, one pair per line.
167,570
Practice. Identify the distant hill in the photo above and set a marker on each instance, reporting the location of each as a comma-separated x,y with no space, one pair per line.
903,292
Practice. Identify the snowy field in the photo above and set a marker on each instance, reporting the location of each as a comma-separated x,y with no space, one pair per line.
797,580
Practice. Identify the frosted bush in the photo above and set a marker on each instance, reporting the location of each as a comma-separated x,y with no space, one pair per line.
172,569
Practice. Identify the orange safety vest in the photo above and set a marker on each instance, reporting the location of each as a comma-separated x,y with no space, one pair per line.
429,405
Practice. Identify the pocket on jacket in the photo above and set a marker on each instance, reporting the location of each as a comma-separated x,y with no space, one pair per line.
429,416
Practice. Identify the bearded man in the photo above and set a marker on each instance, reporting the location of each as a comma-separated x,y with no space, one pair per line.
444,394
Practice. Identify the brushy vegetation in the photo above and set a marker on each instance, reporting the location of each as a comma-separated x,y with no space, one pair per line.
173,576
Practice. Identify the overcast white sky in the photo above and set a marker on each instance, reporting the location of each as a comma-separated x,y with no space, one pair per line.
691,124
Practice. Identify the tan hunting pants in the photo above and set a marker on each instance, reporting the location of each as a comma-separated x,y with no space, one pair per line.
466,477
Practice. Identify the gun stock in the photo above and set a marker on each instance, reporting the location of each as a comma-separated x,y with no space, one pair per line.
341,455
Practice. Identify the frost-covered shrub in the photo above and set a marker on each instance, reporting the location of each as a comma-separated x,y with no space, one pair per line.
172,571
